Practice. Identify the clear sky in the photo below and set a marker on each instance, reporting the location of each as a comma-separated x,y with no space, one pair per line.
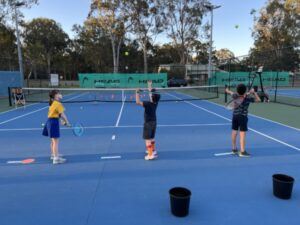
232,13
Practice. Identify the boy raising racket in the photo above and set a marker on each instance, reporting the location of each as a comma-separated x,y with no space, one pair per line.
51,128
240,117
149,120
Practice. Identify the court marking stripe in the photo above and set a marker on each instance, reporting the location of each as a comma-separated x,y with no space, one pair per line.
259,117
15,109
129,126
258,132
223,154
111,157
120,113
19,108
26,114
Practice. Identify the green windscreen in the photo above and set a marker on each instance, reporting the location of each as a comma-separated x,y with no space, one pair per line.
100,80
235,78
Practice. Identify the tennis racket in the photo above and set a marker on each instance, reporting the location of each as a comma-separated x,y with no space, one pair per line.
77,129
236,102
25,161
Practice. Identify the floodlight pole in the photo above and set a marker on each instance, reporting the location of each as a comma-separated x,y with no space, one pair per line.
18,4
211,8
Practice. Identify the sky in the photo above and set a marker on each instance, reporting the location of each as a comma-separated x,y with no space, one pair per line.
225,34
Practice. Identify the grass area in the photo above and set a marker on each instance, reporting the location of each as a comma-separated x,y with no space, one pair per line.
4,105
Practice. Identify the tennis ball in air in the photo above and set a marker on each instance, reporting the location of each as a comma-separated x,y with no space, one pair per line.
237,26
43,124
127,53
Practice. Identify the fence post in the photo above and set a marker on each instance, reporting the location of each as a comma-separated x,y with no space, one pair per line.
9,96
276,86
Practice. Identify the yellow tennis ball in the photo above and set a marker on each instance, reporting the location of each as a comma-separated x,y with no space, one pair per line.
127,53
43,124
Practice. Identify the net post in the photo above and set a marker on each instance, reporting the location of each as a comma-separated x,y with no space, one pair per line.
9,96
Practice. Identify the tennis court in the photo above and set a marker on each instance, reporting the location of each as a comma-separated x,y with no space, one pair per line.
288,92
107,181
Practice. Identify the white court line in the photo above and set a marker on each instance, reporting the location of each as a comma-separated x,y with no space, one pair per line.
258,132
120,113
129,126
259,117
111,157
26,114
223,154
11,110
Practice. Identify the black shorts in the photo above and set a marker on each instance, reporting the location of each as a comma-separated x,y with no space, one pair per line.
149,130
240,122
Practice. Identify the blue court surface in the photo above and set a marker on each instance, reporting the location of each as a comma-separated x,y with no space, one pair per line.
107,181
292,93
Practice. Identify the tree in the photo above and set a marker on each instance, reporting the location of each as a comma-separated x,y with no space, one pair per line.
8,54
182,20
146,20
223,55
91,48
111,17
7,7
44,39
277,33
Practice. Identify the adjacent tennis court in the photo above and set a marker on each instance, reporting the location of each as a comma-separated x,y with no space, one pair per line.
107,181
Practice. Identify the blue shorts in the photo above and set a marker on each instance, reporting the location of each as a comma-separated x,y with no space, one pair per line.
240,122
51,128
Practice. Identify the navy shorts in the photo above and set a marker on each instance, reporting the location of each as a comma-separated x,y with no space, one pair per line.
240,122
51,128
149,130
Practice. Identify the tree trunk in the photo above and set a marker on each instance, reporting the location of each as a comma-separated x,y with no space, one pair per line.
116,68
118,53
49,65
145,57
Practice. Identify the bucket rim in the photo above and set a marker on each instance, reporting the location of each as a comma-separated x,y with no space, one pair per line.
189,193
275,177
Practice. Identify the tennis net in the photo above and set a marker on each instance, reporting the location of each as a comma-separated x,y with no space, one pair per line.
79,95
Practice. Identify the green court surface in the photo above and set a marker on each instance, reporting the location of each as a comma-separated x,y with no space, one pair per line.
273,111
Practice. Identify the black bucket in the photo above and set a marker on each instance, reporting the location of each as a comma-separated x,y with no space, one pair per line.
282,186
180,201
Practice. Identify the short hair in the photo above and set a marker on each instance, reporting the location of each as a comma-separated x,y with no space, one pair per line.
241,89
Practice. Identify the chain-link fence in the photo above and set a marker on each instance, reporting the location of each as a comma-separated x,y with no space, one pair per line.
274,73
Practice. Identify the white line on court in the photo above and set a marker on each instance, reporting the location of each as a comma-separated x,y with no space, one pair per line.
259,117
120,113
111,157
120,127
258,132
11,110
26,114
223,154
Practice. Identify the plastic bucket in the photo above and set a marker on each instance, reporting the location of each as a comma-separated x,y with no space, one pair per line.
180,201
282,186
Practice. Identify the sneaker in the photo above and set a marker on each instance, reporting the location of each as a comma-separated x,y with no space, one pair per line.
59,156
59,160
150,157
234,151
244,154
